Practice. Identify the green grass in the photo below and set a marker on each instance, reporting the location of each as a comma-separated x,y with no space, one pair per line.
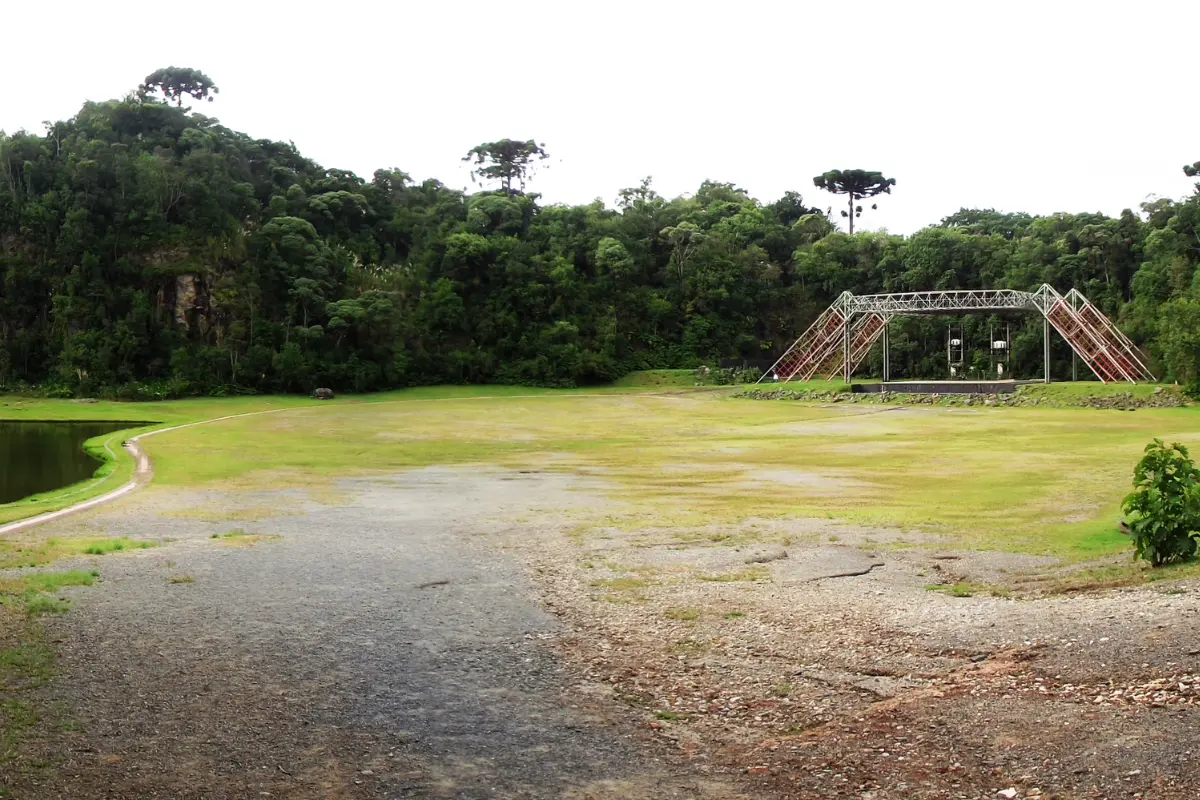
1034,480
241,538
682,614
818,385
751,575
1070,391
657,379
26,665
28,550
107,546
53,581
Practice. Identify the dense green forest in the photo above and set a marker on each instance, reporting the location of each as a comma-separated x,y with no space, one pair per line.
148,251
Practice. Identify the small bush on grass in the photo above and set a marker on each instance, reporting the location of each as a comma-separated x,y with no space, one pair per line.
1164,506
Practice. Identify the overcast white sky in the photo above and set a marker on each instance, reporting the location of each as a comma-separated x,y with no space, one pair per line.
1034,106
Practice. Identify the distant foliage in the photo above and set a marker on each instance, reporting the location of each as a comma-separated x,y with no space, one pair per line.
856,184
176,83
147,251
1164,505
509,161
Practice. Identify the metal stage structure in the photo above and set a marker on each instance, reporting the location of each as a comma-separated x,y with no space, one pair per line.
839,340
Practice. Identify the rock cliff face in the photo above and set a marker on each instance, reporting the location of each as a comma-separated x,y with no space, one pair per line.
187,293
182,293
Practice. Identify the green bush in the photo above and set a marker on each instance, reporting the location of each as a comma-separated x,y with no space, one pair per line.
1165,505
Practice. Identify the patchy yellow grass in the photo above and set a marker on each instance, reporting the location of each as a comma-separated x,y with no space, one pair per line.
1023,479
1031,480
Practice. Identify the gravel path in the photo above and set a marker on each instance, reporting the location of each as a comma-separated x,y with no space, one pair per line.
378,648
450,633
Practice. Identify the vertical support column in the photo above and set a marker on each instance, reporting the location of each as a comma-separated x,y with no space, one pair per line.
1074,365
846,345
1046,349
887,324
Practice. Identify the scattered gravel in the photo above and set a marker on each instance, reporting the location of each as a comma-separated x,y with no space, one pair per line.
453,633
377,649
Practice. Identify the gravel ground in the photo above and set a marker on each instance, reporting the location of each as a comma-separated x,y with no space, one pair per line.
379,648
453,633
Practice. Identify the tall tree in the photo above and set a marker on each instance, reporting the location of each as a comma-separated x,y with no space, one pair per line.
1192,171
507,161
176,83
856,183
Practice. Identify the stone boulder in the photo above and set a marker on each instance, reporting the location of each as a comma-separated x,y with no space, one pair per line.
323,394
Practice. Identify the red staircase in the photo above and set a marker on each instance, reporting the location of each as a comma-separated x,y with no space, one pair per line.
822,349
815,346
1123,351
1093,337
864,332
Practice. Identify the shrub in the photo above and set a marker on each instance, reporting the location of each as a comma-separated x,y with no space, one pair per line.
1164,505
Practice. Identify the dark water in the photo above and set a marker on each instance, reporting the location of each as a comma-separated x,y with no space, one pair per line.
40,456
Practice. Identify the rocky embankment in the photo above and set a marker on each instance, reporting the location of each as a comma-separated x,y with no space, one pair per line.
1025,396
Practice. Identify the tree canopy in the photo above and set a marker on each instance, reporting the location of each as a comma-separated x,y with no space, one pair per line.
857,184
176,83
149,251
508,161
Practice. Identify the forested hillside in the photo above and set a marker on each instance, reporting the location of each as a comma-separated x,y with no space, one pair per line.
146,250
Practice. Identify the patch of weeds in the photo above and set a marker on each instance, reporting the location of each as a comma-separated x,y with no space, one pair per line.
27,665
687,647
735,615
240,538
960,589
181,579
15,553
106,546
782,689
671,716
53,581
41,604
751,575
682,614
15,719
835,538
32,592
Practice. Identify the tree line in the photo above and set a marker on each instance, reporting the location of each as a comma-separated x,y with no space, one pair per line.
148,251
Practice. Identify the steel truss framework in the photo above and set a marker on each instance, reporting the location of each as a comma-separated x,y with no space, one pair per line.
839,340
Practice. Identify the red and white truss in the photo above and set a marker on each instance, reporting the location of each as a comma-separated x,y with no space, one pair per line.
838,341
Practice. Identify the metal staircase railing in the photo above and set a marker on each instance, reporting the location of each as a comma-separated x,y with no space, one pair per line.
822,348
1100,350
806,355
1132,361
864,332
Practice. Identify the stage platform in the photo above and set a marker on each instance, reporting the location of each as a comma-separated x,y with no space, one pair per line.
942,387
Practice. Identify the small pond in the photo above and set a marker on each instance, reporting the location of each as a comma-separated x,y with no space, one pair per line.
42,456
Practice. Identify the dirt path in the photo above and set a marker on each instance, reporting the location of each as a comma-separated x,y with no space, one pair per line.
374,650
143,474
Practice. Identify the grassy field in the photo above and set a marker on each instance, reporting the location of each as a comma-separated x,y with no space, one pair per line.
1027,480
118,466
